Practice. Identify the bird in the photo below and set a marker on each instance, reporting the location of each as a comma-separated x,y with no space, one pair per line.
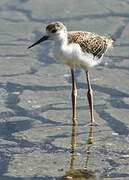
77,49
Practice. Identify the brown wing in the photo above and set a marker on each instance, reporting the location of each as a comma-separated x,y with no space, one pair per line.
90,43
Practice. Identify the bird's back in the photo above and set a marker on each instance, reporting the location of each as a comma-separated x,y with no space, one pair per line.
90,43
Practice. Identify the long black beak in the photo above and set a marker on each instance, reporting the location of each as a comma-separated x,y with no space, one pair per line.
44,38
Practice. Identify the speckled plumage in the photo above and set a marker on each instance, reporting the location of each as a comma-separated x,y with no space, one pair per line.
89,42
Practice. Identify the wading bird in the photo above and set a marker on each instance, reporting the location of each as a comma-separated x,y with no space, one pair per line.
77,49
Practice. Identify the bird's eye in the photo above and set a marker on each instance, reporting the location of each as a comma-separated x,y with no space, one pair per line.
54,31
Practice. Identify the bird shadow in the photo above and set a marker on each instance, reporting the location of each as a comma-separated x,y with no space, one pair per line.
73,173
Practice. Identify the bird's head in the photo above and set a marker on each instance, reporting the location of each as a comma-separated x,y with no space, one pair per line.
55,31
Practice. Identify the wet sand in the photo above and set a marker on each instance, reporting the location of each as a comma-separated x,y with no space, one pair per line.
35,93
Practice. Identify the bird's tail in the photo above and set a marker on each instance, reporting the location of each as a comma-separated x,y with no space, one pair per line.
112,38
111,41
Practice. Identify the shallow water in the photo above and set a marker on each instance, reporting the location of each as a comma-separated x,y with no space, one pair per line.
35,92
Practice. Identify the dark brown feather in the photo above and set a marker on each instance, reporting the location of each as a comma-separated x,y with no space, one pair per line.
89,42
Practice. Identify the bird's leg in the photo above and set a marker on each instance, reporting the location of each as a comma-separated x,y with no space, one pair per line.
74,94
90,97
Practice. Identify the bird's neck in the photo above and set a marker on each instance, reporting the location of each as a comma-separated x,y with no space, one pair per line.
62,39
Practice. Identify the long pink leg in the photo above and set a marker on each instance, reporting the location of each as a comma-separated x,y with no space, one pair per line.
74,94
90,97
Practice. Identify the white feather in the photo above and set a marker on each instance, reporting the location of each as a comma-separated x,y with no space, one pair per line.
73,56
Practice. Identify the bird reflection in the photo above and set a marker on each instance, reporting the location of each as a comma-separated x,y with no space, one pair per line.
80,174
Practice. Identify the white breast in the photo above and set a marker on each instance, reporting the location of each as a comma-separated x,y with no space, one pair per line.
73,56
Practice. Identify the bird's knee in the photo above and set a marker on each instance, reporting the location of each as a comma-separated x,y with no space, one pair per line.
90,92
74,93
